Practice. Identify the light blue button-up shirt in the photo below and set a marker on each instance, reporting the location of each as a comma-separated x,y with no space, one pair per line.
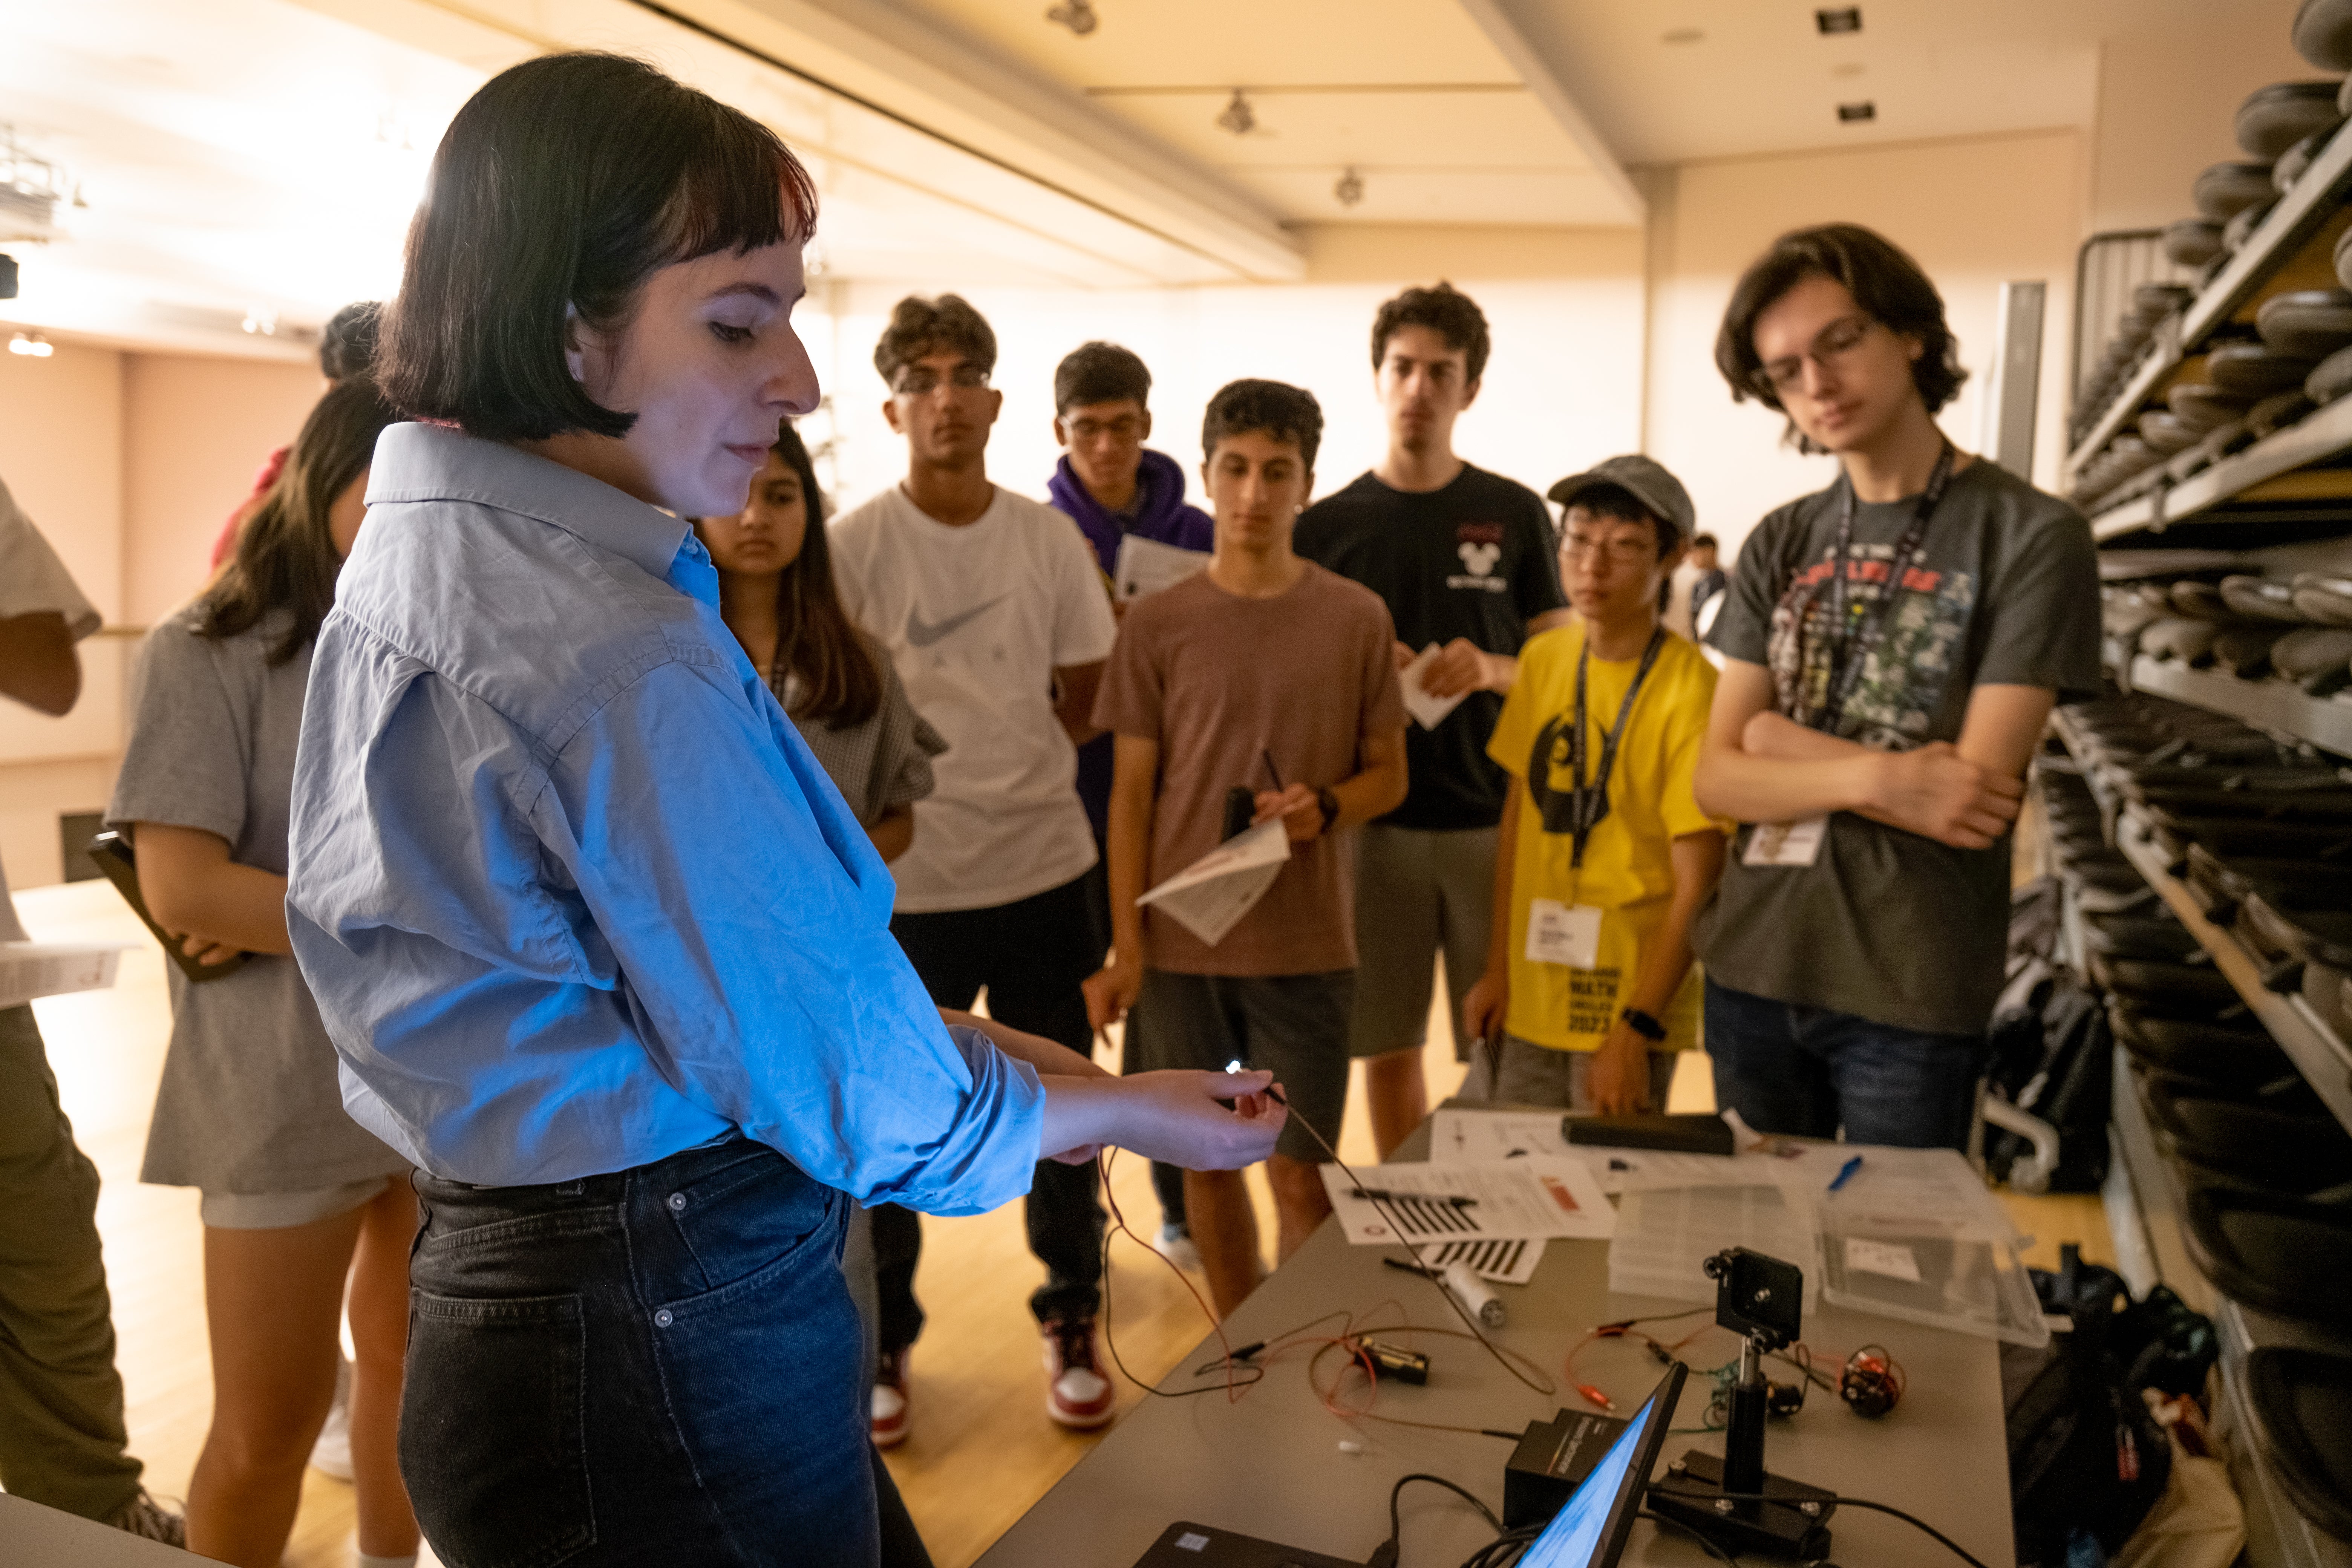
569,891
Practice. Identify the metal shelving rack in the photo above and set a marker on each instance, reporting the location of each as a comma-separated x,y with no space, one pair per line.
2144,1200
2324,721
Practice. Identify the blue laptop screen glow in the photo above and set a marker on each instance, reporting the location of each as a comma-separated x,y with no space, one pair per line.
1575,1533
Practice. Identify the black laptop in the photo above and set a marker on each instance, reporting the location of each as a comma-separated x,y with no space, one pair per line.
1588,1531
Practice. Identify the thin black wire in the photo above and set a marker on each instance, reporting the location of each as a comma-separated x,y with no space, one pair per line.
1948,1544
1396,1525
1546,1387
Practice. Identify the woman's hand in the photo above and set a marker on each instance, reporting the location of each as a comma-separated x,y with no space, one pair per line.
1173,1116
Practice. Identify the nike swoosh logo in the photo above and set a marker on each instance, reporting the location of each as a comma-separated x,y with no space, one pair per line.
923,633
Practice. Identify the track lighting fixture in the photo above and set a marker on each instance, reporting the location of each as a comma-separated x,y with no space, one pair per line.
1350,188
1238,116
1077,15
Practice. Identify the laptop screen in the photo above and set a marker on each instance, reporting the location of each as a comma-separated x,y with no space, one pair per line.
1591,1530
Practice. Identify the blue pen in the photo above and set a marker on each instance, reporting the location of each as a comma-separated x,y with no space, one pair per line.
1845,1173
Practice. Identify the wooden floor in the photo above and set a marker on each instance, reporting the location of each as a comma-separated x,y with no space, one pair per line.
982,1450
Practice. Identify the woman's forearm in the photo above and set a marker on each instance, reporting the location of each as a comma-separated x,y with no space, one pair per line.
193,889
1051,1059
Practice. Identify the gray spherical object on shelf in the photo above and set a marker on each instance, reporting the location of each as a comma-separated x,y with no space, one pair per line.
2274,118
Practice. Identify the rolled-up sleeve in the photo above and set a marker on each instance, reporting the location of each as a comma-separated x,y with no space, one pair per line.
749,923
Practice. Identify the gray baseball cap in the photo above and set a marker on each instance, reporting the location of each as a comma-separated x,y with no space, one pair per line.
1649,482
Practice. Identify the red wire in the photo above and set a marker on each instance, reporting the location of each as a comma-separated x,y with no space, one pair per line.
1118,1222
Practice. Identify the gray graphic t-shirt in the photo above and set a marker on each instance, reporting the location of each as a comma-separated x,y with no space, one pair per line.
1884,924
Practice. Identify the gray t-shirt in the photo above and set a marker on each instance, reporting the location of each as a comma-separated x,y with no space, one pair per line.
250,1101
1884,924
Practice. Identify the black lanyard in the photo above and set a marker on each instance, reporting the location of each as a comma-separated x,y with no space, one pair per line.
1852,645
1588,807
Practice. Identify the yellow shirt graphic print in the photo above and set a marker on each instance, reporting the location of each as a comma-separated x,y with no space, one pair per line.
1627,874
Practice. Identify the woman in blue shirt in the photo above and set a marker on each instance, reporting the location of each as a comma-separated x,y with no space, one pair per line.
603,950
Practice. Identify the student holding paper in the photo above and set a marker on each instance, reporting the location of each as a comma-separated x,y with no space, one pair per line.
1268,672
1116,490
1462,559
1589,991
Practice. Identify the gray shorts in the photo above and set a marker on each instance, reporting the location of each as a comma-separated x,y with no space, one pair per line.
1537,1075
1293,1025
1418,891
283,1211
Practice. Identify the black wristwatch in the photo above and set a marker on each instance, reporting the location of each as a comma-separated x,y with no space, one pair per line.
1330,804
1647,1026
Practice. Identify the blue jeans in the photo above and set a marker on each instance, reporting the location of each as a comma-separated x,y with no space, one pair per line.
1805,1072
655,1366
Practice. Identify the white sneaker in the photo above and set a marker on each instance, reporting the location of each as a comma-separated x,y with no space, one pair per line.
1174,1243
332,1454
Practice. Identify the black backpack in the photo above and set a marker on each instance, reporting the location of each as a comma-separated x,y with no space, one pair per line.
2054,1056
2084,1452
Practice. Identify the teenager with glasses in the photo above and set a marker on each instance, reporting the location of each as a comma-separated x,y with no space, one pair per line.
1463,558
1114,488
1894,643
601,949
991,608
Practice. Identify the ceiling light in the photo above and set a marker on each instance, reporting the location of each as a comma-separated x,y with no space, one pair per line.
33,345
1077,15
1839,19
1683,35
1349,190
1854,113
1238,116
260,322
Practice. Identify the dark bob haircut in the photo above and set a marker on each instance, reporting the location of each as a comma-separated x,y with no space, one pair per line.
285,561
1278,410
1888,286
919,328
563,185
1446,310
1100,372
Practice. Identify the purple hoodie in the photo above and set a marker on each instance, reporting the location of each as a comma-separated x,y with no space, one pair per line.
1160,514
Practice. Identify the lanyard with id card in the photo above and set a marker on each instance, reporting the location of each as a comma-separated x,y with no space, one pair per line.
1568,934
1855,632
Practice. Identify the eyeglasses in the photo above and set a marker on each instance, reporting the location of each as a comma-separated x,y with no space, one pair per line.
1126,428
923,383
1616,552
1830,348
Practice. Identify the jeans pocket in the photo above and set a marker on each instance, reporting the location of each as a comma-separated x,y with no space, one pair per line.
493,1430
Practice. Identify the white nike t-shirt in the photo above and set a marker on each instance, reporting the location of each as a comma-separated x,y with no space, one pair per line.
977,618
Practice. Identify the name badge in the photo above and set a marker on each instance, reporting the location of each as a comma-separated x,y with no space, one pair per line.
1786,843
1563,933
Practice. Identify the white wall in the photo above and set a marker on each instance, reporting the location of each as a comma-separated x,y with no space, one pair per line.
128,463
1562,389
1974,212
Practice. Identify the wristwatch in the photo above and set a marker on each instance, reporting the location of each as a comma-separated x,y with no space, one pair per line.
1647,1026
1330,804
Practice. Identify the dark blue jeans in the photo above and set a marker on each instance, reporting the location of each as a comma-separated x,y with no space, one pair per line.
1805,1072
655,1366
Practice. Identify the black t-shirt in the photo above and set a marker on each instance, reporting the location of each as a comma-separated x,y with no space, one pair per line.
1473,560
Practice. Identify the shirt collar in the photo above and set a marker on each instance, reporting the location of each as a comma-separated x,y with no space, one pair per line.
431,462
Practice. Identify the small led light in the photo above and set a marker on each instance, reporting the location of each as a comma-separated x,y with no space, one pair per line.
1234,1065
32,344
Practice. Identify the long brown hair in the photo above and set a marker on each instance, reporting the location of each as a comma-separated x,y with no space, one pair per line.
286,557
838,670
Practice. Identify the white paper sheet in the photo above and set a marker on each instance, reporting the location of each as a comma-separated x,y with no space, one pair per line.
1428,711
1530,1197
1503,1262
1457,1135
1209,897
1145,566
31,969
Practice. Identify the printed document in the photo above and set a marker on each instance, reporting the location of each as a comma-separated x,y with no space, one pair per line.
31,969
1209,897
1427,711
1145,566
1422,1203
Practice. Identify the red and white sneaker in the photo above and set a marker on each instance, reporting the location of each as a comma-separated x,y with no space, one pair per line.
1077,1395
889,1409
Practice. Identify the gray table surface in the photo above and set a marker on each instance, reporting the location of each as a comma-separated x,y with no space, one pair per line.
1271,1465
32,1536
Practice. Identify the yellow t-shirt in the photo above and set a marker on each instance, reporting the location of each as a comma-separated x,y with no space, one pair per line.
1628,870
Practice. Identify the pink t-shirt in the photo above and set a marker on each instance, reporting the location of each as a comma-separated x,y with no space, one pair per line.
1218,681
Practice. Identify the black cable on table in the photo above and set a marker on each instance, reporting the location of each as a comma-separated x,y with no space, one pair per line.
1710,1547
1385,1556
1945,1541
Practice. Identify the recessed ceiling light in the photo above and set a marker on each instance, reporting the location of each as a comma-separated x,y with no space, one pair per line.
1683,35
1077,15
1238,118
31,345
1853,113
1349,190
